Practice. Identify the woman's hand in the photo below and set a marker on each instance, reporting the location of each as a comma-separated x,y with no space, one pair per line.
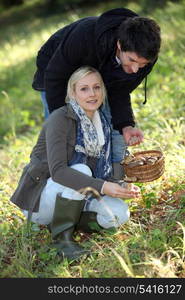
117,191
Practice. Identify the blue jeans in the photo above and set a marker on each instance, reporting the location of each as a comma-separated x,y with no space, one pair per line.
45,105
119,147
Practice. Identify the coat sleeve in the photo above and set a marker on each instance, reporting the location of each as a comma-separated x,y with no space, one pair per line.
58,140
121,109
69,55
119,96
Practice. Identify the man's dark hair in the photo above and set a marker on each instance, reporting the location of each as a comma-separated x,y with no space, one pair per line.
140,35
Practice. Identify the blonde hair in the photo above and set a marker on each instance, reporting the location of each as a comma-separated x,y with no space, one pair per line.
79,74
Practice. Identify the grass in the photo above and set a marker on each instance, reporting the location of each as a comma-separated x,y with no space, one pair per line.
152,243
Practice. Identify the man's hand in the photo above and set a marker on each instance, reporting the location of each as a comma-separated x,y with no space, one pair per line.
133,136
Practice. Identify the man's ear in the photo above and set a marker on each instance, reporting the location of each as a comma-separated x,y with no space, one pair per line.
118,45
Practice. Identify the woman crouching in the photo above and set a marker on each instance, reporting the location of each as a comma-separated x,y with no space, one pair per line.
72,155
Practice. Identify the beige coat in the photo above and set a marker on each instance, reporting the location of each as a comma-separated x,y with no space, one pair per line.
49,158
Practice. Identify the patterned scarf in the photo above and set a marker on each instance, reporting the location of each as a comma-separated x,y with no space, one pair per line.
92,140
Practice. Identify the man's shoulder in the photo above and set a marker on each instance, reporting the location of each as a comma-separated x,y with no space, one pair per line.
112,19
124,12
83,22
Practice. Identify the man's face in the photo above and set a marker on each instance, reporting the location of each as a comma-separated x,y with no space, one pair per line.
130,61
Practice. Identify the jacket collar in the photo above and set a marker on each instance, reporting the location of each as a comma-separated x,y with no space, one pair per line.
69,111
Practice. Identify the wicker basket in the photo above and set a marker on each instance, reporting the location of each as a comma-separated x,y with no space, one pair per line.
146,172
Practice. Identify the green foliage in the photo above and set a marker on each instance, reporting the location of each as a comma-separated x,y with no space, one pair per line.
152,243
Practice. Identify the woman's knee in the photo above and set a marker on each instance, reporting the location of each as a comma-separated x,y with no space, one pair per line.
82,168
111,212
122,212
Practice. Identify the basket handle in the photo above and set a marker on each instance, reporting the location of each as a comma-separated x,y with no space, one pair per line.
142,144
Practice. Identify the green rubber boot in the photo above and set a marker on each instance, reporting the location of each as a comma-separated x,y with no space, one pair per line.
88,222
66,216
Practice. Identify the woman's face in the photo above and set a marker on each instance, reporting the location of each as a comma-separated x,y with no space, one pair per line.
88,93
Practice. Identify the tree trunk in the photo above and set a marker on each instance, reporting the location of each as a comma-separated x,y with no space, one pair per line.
9,3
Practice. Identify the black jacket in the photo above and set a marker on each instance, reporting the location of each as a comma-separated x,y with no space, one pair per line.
89,41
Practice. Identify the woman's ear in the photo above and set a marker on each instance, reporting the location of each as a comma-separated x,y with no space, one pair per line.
72,92
71,95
